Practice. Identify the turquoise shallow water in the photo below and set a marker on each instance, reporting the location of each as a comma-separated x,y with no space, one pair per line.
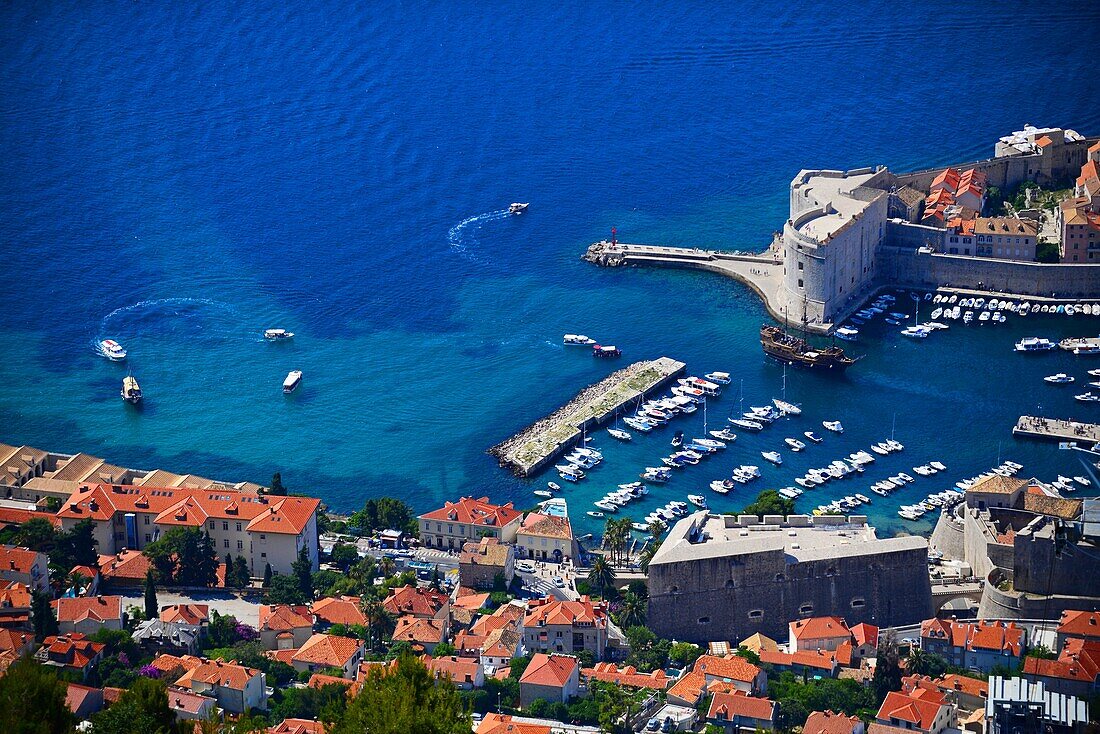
180,179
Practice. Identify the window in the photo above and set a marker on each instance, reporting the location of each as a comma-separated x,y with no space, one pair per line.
859,602
226,541
148,537
211,525
263,555
730,584
800,282
240,545
225,525
806,609
800,266
704,620
756,614
146,519
779,577
238,527
263,536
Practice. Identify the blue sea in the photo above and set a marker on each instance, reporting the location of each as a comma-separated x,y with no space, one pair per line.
181,176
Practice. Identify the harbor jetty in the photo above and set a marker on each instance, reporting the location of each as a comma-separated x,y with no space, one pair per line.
1055,429
536,446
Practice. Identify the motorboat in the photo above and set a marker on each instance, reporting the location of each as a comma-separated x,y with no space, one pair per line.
1035,344
543,493
894,322
553,486
938,466
277,334
638,424
1058,379
1095,373
968,317
746,424
936,313
722,486
1083,481
983,317
698,500
518,207
786,408
893,445
794,444
813,437
619,434
916,332
594,513
708,443
773,456
834,426
606,506
112,350
1087,397
706,386
292,381
720,378
724,435
577,340
131,391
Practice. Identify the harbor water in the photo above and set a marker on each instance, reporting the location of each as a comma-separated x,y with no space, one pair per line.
179,179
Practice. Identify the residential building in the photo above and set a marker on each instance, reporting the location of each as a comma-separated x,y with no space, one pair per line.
1006,238
72,652
545,538
321,652
554,625
757,643
466,674
1087,185
818,633
452,525
297,726
506,724
284,626
1020,706
24,566
1076,671
995,491
736,712
549,677
921,711
412,601
966,693
1078,624
979,646
827,722
732,671
126,568
725,577
174,638
262,528
18,642
88,614
345,610
958,236
484,561
864,641
627,677
422,634
196,614
15,606
189,706
236,688
83,701
1079,225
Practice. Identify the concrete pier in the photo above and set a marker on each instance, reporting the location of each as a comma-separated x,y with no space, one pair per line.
1055,429
537,446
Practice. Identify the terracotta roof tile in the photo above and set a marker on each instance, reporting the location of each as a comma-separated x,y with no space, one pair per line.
559,612
297,726
731,705
219,673
127,564
339,610
820,628
549,670
504,724
459,670
419,630
331,650
827,722
628,676
865,634
548,526
98,608
186,613
18,559
1075,623
416,601
921,714
475,512
733,667
285,617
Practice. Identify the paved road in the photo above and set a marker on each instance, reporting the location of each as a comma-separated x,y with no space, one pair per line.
245,610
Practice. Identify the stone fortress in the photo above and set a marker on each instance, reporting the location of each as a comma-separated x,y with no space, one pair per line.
852,231
725,577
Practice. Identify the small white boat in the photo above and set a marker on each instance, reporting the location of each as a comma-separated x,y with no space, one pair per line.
698,500
936,313
578,340
794,444
292,381
112,350
813,437
131,391
1059,379
277,334
1035,344
594,513
518,208
721,378
619,434
786,408
773,456
543,493
553,486
847,333
834,426
1087,397
724,435
916,332
1083,481
968,317
938,466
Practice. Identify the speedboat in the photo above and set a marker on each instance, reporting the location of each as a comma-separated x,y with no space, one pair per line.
606,506
593,513
1083,481
577,340
1059,379
810,435
698,500
678,439
773,456
794,443
917,332
543,493
847,332
1094,373
1087,397
834,426
277,334
938,466
553,486
638,424
721,378
786,408
619,434
292,381
722,486
708,443
518,208
131,391
724,435
112,350
968,317
937,313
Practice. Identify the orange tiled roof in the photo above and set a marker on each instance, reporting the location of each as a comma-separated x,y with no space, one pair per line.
999,636
416,601
128,564
168,663
827,722
1076,623
285,617
1044,141
1078,661
18,559
77,694
186,613
949,176
474,512
472,602
819,628
15,596
219,673
736,703
558,612
75,650
418,630
548,526
297,726
503,724
331,650
339,610
865,634
320,680
549,670
77,609
913,710
15,640
459,670
16,516
820,659
628,676
732,667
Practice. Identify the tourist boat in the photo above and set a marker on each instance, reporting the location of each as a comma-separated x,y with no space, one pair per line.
786,408
813,437
131,391
794,350
577,340
721,378
619,434
553,486
708,388
1087,397
608,352
698,500
594,513
518,208
543,493
724,435
773,456
292,381
1059,379
1087,350
746,424
834,426
277,334
794,443
1034,344
847,333
112,350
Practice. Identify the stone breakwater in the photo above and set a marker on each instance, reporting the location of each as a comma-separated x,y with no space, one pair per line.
536,446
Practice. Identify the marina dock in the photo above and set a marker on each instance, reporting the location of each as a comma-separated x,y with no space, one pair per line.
538,445
1055,429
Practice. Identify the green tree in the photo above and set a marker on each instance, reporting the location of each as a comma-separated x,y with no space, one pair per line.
303,573
1047,252
82,544
769,502
38,535
184,556
684,654
920,662
277,487
344,555
151,608
384,513
141,709
33,700
602,576
242,576
378,621
406,700
1038,651
326,703
267,575
632,611
45,621
791,713
647,652
887,676
285,590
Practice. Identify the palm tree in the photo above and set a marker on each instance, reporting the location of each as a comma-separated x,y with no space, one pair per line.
379,621
632,613
601,575
917,661
77,582
387,566
616,533
657,529
647,556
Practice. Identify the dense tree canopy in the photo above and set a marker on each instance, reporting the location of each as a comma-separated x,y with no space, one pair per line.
32,701
384,513
184,556
769,502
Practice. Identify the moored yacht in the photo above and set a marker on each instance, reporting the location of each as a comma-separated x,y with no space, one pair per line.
721,378
292,381
834,426
1034,344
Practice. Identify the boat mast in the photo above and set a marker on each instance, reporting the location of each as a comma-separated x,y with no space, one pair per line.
893,425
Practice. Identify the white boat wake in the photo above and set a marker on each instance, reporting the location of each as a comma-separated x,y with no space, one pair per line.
201,316
463,237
